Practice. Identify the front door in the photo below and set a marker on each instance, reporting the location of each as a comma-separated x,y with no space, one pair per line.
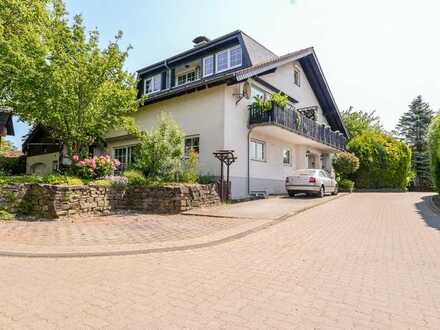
311,161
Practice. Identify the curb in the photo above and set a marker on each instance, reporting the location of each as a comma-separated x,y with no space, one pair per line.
220,241
432,206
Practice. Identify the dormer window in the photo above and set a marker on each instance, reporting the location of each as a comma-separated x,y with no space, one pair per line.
188,76
208,66
297,76
229,59
152,84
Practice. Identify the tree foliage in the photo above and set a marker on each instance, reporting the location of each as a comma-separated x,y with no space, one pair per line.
161,150
413,127
358,122
345,163
434,150
384,161
55,74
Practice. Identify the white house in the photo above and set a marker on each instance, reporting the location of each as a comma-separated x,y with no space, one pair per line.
209,91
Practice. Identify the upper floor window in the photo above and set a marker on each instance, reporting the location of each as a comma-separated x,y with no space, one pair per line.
152,84
188,76
208,66
257,92
297,76
228,59
192,143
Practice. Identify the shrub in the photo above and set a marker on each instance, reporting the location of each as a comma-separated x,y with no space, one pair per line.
54,179
101,183
262,104
13,165
161,151
345,185
93,168
5,215
190,173
434,150
207,179
384,161
135,178
345,163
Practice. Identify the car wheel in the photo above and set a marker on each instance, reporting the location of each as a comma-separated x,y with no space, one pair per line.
321,192
291,193
335,192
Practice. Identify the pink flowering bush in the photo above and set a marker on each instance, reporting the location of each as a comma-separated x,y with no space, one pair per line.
96,167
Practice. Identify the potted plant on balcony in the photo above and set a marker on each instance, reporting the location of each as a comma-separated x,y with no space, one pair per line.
280,100
262,104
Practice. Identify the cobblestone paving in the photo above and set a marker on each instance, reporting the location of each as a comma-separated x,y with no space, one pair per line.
363,261
113,229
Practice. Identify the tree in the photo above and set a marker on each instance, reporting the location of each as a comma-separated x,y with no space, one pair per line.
5,146
413,128
67,84
385,162
357,122
434,150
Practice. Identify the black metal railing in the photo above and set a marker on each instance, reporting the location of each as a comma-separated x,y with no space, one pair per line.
298,123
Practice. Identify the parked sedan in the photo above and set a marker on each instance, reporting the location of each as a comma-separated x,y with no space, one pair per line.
311,181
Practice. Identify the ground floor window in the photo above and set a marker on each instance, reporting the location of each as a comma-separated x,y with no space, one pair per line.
257,150
287,157
125,155
192,143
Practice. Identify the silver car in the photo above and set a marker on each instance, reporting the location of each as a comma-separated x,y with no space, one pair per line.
311,181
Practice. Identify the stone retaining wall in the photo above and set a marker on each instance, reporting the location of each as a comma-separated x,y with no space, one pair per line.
53,201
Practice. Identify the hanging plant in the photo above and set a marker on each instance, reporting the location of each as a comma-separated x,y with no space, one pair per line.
280,100
262,104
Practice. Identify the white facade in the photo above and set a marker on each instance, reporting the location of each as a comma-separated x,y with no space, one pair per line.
220,119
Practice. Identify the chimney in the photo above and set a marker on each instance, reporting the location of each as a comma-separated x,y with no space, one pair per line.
200,40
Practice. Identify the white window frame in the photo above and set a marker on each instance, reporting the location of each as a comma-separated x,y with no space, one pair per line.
290,156
228,59
253,155
259,89
185,73
204,66
128,155
297,71
192,138
153,81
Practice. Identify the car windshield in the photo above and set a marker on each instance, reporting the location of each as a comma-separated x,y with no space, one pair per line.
304,172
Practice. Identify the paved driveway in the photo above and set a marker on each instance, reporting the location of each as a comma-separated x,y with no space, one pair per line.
362,261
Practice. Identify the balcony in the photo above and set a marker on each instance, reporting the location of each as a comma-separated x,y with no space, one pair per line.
297,123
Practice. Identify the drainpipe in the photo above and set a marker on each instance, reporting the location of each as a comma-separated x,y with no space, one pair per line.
249,161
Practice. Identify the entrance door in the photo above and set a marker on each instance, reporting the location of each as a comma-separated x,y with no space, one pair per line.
311,161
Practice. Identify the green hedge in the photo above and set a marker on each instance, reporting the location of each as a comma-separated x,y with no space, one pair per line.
384,161
12,165
434,150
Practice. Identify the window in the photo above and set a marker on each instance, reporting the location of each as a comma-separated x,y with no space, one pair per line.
152,84
297,76
235,57
192,143
257,92
287,157
188,76
125,155
228,59
208,66
222,61
257,150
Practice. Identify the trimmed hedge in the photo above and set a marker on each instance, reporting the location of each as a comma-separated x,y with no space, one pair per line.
434,150
384,161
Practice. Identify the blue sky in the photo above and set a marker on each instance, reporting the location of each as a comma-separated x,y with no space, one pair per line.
376,55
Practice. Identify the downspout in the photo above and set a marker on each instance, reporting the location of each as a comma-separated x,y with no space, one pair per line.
249,161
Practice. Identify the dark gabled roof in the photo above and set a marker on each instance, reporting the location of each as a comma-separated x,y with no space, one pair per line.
6,120
310,64
253,51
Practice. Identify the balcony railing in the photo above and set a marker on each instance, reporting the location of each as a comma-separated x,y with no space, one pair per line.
297,123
